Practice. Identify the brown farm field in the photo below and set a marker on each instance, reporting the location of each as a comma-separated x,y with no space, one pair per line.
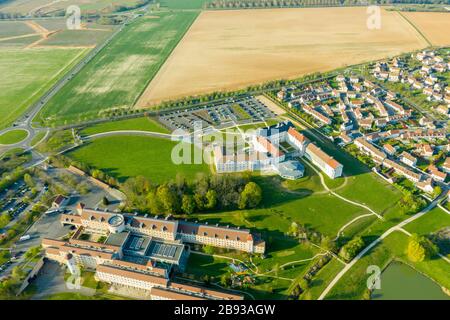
432,25
226,50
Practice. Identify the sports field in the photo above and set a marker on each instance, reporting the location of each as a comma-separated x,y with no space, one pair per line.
120,72
130,156
27,74
233,48
432,25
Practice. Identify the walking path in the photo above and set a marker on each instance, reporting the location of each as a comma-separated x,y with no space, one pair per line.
322,180
375,242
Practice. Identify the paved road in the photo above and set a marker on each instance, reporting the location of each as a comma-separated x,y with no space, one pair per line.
377,241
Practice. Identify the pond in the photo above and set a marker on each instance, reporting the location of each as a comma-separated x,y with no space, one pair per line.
401,282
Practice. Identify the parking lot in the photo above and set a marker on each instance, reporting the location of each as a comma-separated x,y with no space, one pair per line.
242,110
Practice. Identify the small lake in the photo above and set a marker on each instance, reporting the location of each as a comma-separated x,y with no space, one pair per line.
401,282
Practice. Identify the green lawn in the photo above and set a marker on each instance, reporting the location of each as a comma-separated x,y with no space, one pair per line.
129,156
37,138
79,296
305,205
27,74
117,76
143,124
13,136
283,250
431,222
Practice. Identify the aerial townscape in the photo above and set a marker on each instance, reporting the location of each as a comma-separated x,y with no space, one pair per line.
224,150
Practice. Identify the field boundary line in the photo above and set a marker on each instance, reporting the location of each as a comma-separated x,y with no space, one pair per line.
138,97
416,28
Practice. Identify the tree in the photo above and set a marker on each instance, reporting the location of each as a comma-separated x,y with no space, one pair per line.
188,204
211,199
29,180
4,220
437,191
251,196
351,248
420,248
199,201
208,250
225,280
168,198
328,244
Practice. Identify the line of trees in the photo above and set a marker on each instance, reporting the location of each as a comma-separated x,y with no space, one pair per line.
204,193
248,4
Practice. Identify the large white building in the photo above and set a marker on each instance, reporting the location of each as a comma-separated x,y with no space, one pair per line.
265,153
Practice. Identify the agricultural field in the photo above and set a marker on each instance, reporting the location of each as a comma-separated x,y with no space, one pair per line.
221,47
183,4
13,29
432,25
120,72
35,71
129,156
43,7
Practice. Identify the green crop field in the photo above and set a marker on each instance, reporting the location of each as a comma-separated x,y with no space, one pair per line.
27,74
142,124
13,28
130,156
77,38
117,76
183,4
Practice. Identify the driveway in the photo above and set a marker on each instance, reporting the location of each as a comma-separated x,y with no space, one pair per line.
50,280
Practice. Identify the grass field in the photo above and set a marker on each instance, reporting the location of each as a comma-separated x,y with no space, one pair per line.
283,250
34,72
124,157
433,221
13,136
221,47
37,138
120,72
143,124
